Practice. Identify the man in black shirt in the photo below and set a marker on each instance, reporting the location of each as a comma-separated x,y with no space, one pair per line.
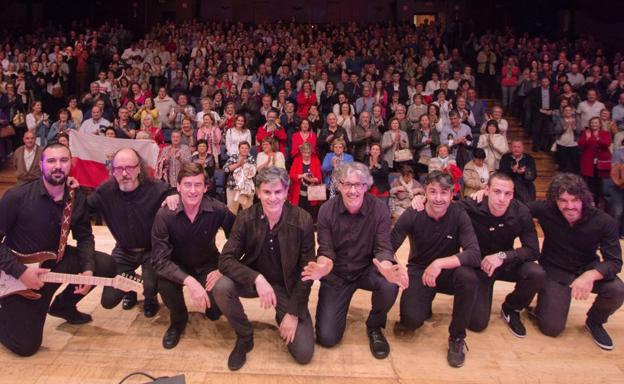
270,244
354,253
184,252
30,221
436,264
497,220
128,202
573,231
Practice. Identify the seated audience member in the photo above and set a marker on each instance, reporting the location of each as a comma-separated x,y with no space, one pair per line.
402,191
493,143
304,172
171,159
476,173
379,171
240,169
26,160
520,166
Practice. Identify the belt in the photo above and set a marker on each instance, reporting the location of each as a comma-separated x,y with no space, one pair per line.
136,249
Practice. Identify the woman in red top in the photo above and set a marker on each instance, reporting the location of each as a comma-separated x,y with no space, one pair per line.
509,82
303,136
305,171
594,145
305,99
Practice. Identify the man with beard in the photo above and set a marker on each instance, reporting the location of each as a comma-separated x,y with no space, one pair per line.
128,201
30,221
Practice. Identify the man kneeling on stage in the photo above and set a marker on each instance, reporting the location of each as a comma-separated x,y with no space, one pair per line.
270,244
184,250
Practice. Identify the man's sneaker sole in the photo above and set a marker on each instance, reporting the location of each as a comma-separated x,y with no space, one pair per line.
602,346
506,320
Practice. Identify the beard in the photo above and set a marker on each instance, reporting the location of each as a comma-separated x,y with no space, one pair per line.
55,181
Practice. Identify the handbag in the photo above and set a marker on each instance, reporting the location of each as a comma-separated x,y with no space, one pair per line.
424,160
403,155
317,192
19,119
7,131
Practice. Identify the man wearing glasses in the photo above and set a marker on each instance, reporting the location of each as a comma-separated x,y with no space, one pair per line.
129,202
354,253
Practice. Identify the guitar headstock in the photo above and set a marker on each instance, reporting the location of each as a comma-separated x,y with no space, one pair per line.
128,283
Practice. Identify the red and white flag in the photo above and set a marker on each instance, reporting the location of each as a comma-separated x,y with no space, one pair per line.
90,154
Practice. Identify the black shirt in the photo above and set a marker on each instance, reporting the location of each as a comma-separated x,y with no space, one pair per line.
497,234
573,248
270,262
180,247
30,221
430,239
129,215
352,241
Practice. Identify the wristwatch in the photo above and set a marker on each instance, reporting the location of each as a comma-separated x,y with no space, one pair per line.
501,255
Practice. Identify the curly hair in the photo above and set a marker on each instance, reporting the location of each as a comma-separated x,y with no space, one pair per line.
572,184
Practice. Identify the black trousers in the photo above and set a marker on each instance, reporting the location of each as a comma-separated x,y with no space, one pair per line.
173,297
228,293
461,282
22,320
540,134
553,301
335,296
529,278
127,261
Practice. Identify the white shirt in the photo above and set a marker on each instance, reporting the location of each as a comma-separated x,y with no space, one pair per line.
232,137
94,127
588,111
29,157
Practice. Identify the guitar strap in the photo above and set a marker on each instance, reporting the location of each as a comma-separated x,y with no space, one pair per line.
65,224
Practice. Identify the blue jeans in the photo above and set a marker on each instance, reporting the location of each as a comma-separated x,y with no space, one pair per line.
509,94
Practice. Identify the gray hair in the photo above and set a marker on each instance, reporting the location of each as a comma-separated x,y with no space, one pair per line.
343,171
272,174
442,178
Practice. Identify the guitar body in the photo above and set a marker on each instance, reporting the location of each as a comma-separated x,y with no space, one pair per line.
35,258
11,286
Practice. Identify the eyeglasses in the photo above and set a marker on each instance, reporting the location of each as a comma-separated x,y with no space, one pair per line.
348,185
127,168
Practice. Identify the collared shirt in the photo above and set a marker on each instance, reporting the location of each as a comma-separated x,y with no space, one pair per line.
29,157
180,246
432,239
129,215
353,240
497,234
270,262
545,98
30,221
573,248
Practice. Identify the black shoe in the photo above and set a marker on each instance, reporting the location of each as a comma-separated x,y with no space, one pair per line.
456,352
172,337
71,315
129,301
238,356
600,335
213,313
512,318
150,307
378,344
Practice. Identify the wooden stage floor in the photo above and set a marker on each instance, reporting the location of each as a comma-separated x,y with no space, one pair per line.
119,342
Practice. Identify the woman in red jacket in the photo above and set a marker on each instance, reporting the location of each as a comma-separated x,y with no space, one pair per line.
305,171
303,136
305,99
594,145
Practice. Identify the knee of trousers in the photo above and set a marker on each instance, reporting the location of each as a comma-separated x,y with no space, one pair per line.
467,278
479,324
26,347
536,274
388,291
223,290
550,328
615,291
412,322
327,336
303,352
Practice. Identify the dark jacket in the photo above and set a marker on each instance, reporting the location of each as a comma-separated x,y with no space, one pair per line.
523,183
296,240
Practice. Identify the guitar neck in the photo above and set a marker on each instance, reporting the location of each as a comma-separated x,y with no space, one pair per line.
54,277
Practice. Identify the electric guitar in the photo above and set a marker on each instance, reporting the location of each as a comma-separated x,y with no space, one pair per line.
12,286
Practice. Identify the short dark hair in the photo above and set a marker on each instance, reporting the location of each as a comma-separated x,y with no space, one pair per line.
499,176
444,179
494,123
190,170
479,153
572,184
52,146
